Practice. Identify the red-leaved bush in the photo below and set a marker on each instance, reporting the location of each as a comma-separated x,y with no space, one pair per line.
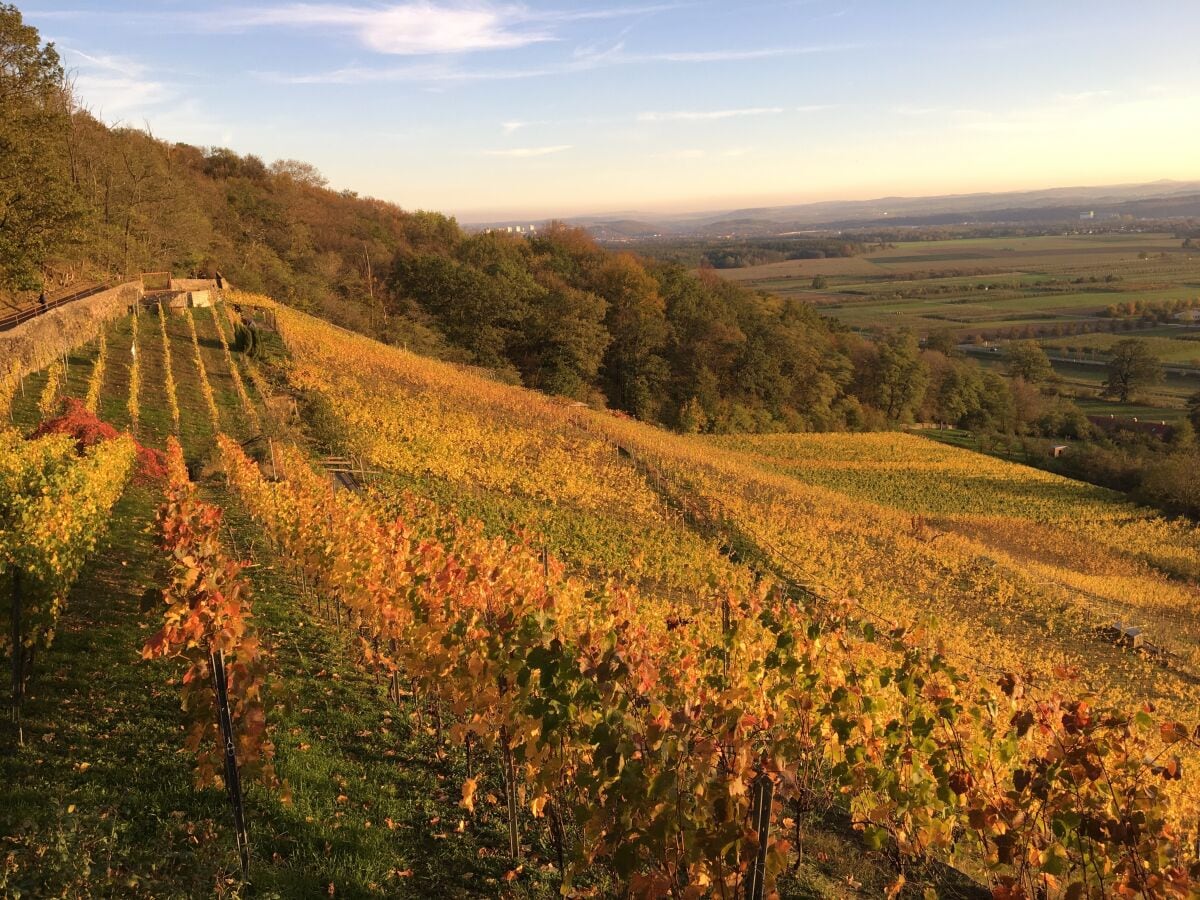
88,430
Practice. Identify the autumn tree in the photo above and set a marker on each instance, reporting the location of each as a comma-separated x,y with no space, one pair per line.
1027,360
634,371
893,378
1131,368
39,206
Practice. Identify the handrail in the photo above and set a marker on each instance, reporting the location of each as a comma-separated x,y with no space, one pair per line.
14,319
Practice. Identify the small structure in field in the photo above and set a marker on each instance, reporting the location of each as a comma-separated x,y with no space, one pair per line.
1131,636
1058,450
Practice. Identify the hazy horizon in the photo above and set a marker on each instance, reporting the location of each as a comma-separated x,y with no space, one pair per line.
489,110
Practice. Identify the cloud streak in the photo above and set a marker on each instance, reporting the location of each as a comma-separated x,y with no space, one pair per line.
708,115
408,29
585,62
117,86
527,152
421,27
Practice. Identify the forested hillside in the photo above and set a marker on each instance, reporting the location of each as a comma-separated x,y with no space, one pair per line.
84,200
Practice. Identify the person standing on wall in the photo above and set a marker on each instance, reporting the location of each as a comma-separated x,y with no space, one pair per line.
42,300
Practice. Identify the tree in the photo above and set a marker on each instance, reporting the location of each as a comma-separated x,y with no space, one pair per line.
894,381
1194,410
564,340
300,172
1027,360
1131,368
39,205
1183,434
636,318
943,341
819,282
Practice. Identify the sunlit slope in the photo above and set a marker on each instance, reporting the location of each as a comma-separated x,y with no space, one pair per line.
506,455
1024,579
1122,560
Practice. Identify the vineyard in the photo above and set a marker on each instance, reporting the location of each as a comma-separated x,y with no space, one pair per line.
524,648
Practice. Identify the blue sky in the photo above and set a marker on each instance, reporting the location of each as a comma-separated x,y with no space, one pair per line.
495,109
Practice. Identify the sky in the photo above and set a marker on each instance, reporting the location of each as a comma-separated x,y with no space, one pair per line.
493,110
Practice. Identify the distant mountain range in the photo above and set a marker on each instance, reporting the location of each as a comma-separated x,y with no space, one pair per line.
1159,199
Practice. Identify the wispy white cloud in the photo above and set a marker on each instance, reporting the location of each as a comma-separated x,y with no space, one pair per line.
116,87
512,127
583,60
405,28
703,56
708,115
1082,96
422,27
527,152
681,154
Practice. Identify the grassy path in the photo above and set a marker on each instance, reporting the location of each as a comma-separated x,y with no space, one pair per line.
114,396
197,436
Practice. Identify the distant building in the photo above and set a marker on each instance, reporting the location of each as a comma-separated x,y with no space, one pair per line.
1110,424
1090,214
1188,315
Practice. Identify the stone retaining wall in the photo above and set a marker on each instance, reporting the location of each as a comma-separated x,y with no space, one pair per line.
35,344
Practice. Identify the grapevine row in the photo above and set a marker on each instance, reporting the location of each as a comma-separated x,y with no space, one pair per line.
208,615
205,387
96,380
645,744
135,374
48,401
251,369
172,400
238,385
53,509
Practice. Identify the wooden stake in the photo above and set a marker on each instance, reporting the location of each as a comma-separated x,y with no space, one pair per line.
233,782
764,789
510,789
18,653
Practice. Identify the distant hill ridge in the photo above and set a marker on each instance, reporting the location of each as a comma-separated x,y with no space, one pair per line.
1159,199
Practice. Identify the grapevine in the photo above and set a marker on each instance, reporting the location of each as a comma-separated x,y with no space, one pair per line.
48,402
169,377
135,372
208,612
53,509
238,385
96,380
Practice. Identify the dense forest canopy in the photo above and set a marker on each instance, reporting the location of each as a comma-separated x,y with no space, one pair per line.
80,199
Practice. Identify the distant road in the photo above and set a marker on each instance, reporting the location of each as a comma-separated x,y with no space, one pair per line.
53,301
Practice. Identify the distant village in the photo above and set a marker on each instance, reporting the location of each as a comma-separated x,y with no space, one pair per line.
512,229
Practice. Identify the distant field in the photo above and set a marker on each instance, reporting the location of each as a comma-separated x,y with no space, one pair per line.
1169,350
999,288
1166,401
987,282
